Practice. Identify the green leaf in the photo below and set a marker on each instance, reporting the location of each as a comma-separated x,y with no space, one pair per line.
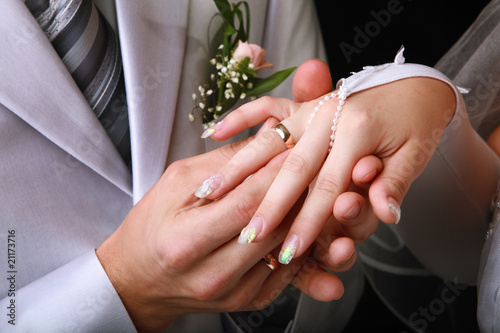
261,86
242,32
225,9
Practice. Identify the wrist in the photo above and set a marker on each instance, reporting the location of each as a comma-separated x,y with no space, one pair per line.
147,314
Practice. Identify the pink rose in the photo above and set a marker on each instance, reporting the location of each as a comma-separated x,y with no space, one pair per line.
254,52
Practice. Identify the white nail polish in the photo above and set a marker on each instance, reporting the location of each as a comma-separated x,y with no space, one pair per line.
211,130
251,231
395,209
208,187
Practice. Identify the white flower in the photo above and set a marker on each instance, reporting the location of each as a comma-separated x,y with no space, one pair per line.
202,106
218,108
243,95
250,85
194,97
209,92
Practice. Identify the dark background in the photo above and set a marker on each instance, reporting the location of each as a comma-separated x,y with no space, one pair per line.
426,28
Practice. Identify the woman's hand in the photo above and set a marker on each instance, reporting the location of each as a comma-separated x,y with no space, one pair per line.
400,123
177,254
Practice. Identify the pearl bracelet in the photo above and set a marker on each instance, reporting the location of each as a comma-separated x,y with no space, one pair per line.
342,95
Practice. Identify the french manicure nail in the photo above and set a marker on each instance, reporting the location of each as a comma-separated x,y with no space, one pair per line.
208,186
251,231
289,249
211,130
395,209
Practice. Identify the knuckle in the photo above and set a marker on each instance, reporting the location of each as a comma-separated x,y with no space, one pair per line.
244,208
229,150
397,187
328,185
295,164
176,170
357,122
266,100
211,288
176,258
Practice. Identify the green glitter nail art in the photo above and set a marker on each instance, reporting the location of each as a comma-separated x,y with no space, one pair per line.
287,253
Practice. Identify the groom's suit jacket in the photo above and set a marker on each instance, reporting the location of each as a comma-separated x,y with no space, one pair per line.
63,186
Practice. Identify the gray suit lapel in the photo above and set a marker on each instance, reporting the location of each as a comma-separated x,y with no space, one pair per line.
152,40
36,86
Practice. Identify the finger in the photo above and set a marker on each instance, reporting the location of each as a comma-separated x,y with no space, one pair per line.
221,220
297,172
251,114
270,122
355,215
388,190
341,255
233,291
252,157
333,179
247,161
312,80
275,283
229,264
317,283
366,170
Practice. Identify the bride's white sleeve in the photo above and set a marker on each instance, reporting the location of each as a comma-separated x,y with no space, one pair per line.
447,209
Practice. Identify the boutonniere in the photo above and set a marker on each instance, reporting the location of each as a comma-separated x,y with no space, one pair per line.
235,67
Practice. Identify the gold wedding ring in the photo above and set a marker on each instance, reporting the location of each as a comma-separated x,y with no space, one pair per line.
270,261
284,133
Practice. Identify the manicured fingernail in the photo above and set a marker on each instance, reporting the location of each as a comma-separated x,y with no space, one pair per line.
352,212
289,249
211,130
251,231
208,186
395,209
